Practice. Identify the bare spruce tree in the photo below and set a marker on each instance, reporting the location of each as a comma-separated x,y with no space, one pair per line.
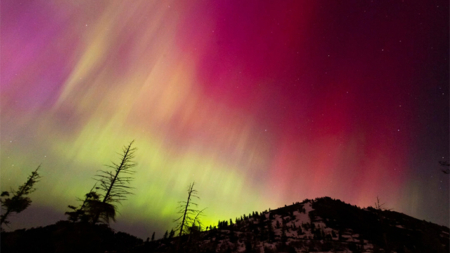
197,223
115,185
379,206
19,200
189,215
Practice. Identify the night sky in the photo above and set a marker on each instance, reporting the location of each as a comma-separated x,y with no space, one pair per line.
261,103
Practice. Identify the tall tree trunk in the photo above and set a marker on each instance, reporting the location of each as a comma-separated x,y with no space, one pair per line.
123,164
186,208
4,216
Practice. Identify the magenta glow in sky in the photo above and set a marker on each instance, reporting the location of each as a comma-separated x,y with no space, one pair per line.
261,103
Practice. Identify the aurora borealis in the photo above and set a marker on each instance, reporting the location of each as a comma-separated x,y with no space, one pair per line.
261,103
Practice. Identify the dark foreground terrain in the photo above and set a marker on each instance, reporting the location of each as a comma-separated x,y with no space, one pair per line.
320,225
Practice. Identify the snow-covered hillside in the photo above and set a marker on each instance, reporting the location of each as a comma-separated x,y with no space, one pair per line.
320,225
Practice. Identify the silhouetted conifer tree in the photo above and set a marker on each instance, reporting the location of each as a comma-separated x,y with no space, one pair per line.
379,206
19,201
233,237
115,184
188,214
197,223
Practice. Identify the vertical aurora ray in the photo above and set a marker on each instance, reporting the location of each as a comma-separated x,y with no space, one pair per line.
262,103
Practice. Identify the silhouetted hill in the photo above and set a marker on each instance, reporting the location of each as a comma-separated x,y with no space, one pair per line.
320,225
65,236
